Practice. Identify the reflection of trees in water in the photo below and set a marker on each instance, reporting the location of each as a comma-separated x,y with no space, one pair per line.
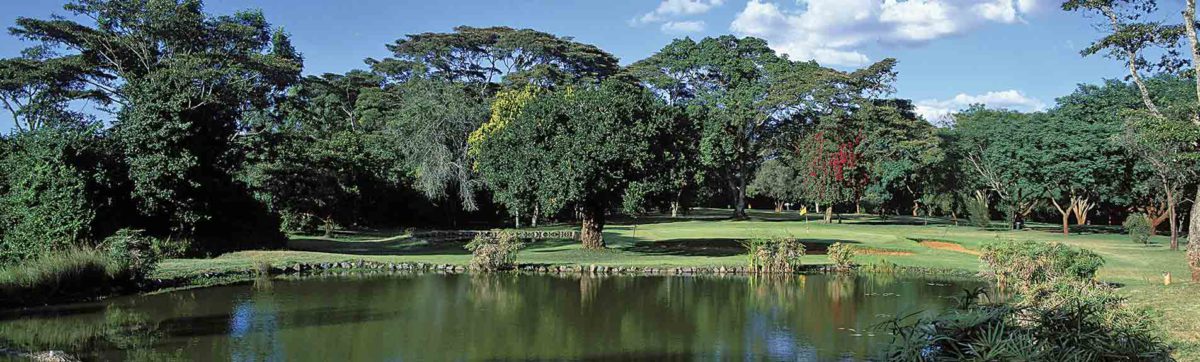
524,317
114,333
494,291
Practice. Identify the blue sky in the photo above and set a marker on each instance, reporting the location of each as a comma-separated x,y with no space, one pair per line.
1020,54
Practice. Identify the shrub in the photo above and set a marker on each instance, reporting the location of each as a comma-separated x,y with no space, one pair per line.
978,211
1070,320
1137,225
1028,263
72,274
48,202
775,255
131,250
494,252
842,255
171,247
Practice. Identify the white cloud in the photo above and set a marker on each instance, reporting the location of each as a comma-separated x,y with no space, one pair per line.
669,9
831,31
937,111
681,27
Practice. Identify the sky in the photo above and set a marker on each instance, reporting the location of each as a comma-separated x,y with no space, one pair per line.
1017,54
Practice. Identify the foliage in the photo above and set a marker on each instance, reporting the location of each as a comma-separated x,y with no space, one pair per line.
751,96
774,255
496,251
979,212
1026,264
131,250
180,106
441,86
53,186
581,147
1077,321
777,180
1137,225
842,255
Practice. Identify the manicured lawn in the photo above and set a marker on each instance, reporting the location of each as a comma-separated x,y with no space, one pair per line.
708,238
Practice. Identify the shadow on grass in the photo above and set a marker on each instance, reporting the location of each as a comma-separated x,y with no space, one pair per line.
398,247
718,247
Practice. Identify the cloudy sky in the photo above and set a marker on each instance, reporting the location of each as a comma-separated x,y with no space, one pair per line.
1019,54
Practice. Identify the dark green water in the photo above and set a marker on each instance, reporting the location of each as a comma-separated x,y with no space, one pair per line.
434,317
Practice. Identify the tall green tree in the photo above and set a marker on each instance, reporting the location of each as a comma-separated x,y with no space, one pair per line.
444,84
751,94
182,81
998,157
777,180
590,143
1133,30
312,164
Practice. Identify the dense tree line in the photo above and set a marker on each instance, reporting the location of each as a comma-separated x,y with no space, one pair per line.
210,134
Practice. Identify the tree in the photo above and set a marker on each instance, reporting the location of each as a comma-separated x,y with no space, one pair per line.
591,142
999,159
901,152
183,81
36,86
312,165
750,93
444,84
777,180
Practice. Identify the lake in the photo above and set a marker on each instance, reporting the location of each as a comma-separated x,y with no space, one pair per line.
505,316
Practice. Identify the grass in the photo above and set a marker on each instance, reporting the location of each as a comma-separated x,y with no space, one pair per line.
63,276
709,238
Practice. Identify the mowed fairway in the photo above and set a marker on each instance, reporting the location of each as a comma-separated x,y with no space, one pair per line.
709,238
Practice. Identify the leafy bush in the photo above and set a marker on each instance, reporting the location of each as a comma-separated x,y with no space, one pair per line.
978,211
842,255
1027,263
72,274
171,247
131,250
1072,320
775,255
1058,313
48,202
494,252
1137,225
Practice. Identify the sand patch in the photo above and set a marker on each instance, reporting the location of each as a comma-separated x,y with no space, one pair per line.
942,245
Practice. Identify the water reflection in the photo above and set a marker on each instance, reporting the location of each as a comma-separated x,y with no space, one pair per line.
490,316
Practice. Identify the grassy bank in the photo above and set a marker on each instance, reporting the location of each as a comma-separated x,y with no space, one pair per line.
709,239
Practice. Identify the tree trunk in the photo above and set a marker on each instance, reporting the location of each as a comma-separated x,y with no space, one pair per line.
916,208
1174,222
829,215
1155,222
739,189
517,219
329,227
1082,206
778,207
1194,238
591,229
533,220
1066,214
857,206
818,207
674,209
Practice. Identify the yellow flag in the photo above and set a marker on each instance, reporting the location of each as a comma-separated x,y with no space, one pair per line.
804,210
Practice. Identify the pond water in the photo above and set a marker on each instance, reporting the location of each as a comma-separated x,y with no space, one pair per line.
422,317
